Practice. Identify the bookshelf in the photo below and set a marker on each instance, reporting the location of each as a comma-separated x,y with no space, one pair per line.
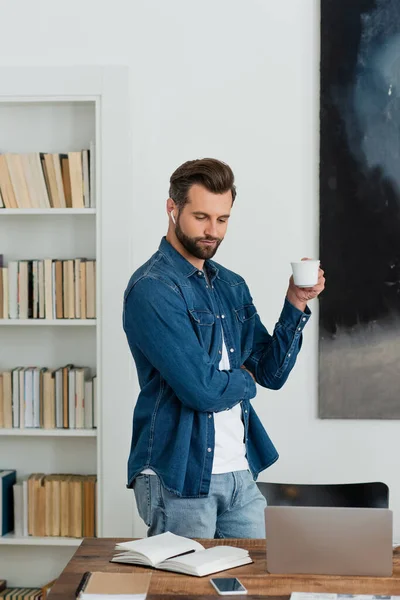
18,212
13,540
49,322
59,110
30,432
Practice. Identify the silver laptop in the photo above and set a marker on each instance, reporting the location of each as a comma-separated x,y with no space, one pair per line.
329,541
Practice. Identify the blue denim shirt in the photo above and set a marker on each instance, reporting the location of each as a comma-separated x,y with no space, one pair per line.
173,319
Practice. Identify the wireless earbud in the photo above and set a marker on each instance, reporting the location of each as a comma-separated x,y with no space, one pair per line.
172,217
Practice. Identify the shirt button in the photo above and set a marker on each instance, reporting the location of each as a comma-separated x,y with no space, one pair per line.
209,416
245,410
222,316
217,316
199,273
304,319
289,354
207,286
299,329
219,352
209,450
231,350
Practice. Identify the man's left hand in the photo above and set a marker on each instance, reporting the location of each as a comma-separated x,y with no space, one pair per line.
299,296
243,367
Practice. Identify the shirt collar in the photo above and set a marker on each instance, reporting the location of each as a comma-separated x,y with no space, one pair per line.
212,269
183,265
173,256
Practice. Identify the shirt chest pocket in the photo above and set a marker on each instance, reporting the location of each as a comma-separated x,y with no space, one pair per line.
203,324
245,321
202,317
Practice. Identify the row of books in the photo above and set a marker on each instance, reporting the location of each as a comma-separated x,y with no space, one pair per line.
48,289
22,594
47,180
63,398
14,593
48,505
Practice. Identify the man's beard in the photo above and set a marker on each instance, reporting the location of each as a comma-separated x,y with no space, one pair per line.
193,246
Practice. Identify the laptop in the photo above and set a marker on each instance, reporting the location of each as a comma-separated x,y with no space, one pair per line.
329,540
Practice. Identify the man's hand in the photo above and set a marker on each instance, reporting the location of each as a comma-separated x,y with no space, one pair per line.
243,367
299,296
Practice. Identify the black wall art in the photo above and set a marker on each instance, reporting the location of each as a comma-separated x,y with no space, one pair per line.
359,345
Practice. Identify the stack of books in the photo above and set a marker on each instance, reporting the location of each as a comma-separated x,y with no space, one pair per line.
45,180
17,593
22,593
48,289
64,398
55,505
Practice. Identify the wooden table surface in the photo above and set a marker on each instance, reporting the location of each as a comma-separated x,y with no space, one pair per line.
94,554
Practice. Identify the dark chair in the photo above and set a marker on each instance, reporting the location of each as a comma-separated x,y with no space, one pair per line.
355,495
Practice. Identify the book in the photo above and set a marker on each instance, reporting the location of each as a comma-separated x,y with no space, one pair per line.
127,586
85,175
6,187
171,552
7,400
18,180
18,509
5,293
46,589
76,179
25,593
7,481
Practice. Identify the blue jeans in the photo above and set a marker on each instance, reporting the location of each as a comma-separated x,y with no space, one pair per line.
234,508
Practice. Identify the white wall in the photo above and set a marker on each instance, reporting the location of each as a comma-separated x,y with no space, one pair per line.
237,80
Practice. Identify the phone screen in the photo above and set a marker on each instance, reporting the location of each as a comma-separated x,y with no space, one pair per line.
228,584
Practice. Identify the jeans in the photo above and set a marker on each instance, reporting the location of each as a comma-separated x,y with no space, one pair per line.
234,508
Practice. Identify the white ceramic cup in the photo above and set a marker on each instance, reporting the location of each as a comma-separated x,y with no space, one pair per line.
305,273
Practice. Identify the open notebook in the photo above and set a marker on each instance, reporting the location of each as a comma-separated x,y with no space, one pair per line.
172,552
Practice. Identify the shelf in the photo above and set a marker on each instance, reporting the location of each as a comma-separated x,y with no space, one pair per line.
31,432
61,109
47,211
50,322
12,540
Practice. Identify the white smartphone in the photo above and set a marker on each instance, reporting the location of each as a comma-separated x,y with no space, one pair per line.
228,585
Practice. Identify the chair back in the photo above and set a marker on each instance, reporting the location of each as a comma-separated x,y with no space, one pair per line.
357,495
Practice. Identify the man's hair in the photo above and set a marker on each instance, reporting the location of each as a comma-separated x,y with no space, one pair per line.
216,176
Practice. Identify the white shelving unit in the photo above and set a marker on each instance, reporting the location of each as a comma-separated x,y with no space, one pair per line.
13,540
18,212
48,433
48,322
60,109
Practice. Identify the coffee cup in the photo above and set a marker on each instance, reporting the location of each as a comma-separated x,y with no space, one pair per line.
305,273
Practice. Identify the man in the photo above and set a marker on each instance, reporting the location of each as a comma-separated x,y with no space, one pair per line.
199,347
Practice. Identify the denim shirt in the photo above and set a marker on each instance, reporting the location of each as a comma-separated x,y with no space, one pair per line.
174,318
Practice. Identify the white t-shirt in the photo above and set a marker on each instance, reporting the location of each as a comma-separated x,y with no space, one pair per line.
229,448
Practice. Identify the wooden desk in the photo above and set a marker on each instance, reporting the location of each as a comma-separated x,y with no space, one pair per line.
94,555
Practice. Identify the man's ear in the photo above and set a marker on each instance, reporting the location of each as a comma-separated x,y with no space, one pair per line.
171,210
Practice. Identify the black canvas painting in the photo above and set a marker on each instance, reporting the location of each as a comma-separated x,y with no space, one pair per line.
359,345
